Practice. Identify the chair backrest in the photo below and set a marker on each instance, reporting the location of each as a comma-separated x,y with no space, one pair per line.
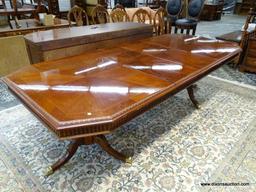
220,6
159,23
118,15
13,54
195,8
153,4
78,15
100,15
40,9
118,6
174,7
142,16
247,34
2,4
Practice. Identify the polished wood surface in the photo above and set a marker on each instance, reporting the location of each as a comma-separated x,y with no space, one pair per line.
34,23
20,11
31,25
58,38
96,92
234,36
60,43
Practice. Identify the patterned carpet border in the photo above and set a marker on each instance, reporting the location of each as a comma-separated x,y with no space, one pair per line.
181,147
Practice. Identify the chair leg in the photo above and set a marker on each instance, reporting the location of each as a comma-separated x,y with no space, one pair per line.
176,30
9,22
188,30
182,30
194,30
168,28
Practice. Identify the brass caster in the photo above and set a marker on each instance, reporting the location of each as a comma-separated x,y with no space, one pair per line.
198,107
49,171
128,160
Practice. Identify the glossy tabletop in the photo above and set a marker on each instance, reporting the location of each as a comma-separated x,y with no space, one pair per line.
96,92
30,24
19,11
234,36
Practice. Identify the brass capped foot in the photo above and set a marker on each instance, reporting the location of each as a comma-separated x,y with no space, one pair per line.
49,171
128,160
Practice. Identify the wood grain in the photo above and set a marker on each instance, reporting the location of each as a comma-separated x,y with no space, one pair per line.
60,43
96,92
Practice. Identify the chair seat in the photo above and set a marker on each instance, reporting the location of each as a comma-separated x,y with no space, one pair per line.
171,19
185,22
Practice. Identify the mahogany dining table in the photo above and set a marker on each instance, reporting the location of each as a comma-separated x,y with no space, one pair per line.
83,98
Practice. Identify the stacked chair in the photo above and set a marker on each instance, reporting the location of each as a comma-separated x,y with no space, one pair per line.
100,15
162,18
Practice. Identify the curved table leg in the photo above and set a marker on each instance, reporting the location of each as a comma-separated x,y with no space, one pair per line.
72,148
102,141
190,90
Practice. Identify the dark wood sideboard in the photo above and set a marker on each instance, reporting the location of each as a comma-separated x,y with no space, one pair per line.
59,43
211,12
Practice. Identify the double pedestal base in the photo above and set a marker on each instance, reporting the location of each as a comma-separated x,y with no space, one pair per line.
102,141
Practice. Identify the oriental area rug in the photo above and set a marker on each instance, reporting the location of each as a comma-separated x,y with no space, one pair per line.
175,147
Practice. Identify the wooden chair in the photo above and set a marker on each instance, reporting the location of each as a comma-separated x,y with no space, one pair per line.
77,15
118,15
40,9
219,10
173,8
246,35
195,8
142,16
100,15
159,21
153,4
119,6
